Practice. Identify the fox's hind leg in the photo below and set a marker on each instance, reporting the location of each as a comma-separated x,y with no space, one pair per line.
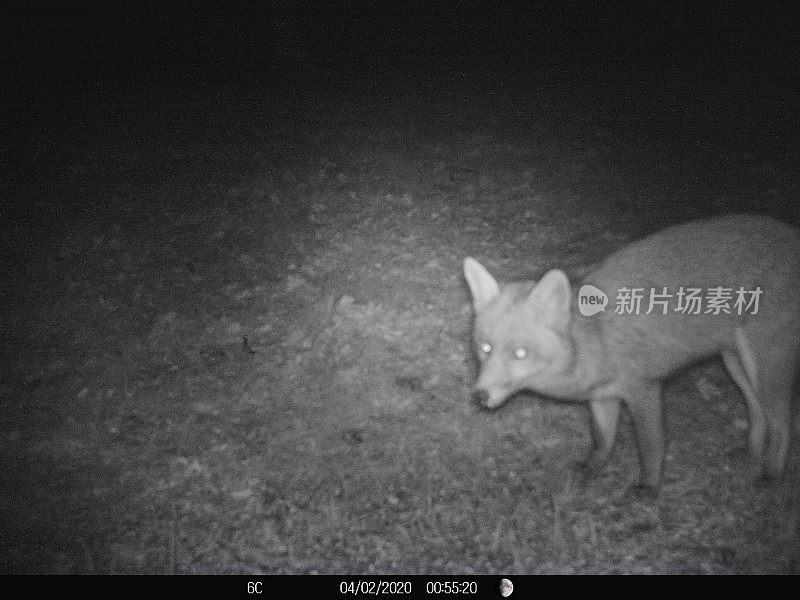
758,427
775,388
770,363
779,425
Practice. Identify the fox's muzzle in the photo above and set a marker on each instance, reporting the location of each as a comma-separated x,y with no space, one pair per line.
485,400
480,398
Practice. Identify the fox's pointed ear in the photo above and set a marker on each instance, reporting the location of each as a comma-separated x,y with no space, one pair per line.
483,286
551,298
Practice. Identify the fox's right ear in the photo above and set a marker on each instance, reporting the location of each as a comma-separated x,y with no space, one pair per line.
551,297
483,286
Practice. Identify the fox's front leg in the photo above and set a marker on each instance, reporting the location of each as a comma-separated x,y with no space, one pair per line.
646,412
604,416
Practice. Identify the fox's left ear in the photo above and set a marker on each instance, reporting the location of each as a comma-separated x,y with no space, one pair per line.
483,286
552,298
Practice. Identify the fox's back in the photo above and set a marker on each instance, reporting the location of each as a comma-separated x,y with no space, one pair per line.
729,250
733,252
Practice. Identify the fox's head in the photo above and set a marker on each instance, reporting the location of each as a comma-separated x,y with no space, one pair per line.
521,335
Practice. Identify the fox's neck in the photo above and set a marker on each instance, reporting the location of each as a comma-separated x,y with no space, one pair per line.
591,368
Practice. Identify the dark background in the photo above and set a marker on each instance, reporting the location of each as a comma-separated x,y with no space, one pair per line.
236,337
56,50
68,68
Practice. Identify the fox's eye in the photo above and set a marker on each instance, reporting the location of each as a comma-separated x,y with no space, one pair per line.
521,352
486,348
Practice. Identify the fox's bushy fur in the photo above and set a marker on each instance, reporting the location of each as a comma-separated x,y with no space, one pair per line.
531,335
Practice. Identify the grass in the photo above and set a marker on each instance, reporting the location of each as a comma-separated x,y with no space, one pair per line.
248,350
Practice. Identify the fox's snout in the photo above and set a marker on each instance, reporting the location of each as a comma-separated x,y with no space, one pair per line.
480,398
486,399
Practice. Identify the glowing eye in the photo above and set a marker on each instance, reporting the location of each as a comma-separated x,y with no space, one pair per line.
486,348
520,353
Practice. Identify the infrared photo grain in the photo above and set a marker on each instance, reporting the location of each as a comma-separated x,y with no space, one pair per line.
418,300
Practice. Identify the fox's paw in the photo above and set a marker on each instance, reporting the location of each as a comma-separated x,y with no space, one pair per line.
762,479
739,453
589,468
643,492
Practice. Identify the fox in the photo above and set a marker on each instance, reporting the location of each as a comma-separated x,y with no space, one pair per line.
547,338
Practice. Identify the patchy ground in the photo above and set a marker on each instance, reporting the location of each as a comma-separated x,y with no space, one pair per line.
238,336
